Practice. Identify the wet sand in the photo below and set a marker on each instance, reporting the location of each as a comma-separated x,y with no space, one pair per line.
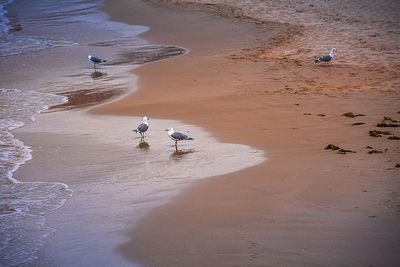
305,205
115,178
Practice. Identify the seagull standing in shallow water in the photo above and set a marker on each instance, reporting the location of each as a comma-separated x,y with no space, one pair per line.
176,136
96,60
326,58
142,128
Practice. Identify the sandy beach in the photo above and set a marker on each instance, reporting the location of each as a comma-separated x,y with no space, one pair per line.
305,205
240,77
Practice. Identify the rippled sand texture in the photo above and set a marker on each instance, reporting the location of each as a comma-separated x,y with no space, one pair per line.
366,35
362,31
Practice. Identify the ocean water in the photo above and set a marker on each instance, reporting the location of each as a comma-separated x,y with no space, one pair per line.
4,21
47,25
23,205
13,44
52,24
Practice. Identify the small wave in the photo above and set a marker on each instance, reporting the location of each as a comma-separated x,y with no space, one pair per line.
4,21
14,45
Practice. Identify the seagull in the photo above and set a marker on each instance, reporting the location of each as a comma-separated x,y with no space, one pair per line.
142,128
176,136
326,58
96,60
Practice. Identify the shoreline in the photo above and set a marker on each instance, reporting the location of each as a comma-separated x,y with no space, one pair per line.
64,152
305,205
49,139
316,190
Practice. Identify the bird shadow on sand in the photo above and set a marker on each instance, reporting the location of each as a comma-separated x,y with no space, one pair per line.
97,74
325,65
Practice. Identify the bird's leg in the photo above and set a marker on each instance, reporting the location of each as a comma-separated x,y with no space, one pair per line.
176,146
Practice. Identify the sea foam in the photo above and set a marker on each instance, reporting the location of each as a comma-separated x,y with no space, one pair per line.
23,205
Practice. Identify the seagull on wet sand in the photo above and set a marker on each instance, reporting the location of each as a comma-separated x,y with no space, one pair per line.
176,136
326,58
96,60
143,127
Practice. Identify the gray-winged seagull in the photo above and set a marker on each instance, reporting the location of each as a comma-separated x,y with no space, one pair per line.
96,60
176,136
326,58
142,128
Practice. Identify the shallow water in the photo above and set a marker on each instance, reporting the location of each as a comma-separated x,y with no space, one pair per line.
51,24
116,181
23,205
39,51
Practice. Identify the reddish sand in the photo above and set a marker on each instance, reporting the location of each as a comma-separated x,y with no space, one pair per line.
304,205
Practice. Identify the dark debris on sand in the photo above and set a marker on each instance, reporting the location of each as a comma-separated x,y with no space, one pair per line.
339,150
391,122
393,137
357,123
344,151
377,133
389,119
331,146
351,115
374,151
385,124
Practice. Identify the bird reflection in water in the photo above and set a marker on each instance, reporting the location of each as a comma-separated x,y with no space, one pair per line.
143,144
178,154
97,74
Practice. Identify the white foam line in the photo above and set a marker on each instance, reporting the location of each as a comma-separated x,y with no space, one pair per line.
4,23
29,155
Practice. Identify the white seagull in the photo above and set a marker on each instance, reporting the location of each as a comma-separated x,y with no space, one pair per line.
142,128
326,58
96,60
176,136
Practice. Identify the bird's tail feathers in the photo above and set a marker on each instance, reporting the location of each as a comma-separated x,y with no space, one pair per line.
135,130
104,60
190,138
317,60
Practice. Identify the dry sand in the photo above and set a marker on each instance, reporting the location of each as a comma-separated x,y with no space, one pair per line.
243,83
